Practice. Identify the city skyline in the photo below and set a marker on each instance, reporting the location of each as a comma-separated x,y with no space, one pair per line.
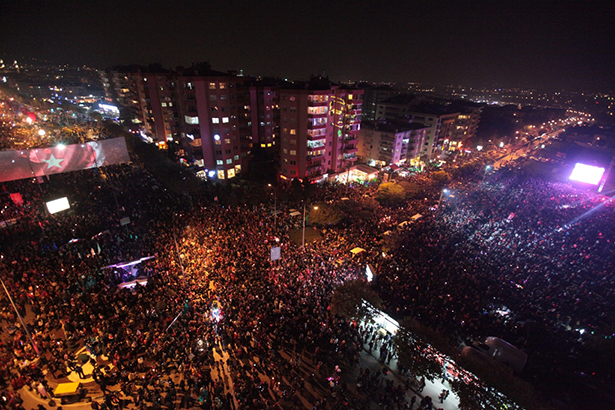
542,45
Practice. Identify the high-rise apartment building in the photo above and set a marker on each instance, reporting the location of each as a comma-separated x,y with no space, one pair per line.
319,123
441,124
196,107
383,143
374,95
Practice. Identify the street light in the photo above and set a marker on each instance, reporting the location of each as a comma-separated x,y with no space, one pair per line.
444,191
303,237
487,169
275,206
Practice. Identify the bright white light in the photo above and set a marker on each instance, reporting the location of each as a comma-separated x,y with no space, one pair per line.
41,132
501,144
369,274
211,174
479,147
217,137
108,107
587,173
29,120
58,205
60,147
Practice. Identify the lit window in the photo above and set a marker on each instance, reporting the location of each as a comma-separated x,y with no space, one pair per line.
262,145
222,86
229,161
164,104
293,98
268,145
191,120
293,152
236,157
220,174
212,86
215,120
225,119
220,162
227,140
293,131
231,173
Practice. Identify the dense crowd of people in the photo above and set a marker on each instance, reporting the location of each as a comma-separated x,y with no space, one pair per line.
220,325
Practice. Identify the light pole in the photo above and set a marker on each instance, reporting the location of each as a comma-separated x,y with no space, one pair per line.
444,191
487,169
275,206
303,237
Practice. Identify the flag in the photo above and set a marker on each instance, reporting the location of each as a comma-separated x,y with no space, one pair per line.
17,199
19,164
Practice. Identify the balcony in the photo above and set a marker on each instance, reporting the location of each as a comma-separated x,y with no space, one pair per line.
316,126
318,103
315,159
314,169
316,137
352,140
350,150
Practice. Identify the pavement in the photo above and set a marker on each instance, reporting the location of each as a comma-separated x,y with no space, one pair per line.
315,388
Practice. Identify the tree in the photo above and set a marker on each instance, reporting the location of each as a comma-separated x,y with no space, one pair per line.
440,178
296,190
390,193
411,190
348,301
416,355
324,214
484,391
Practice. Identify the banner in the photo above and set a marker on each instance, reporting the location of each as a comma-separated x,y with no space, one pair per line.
275,253
17,199
28,163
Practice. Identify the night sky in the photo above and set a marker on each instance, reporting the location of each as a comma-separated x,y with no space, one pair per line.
546,45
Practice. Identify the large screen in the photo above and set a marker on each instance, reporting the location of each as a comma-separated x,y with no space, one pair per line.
58,205
28,163
586,173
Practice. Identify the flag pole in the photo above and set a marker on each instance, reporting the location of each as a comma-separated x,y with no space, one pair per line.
20,319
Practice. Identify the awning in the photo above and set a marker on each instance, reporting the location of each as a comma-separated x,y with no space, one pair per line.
296,213
357,250
66,389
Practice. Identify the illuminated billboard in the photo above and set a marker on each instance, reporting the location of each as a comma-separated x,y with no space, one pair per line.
58,205
586,173
28,163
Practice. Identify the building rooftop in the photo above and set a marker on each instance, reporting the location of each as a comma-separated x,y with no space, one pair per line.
393,126
401,99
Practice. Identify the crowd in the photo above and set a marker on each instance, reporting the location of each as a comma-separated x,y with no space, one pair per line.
523,259
218,325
